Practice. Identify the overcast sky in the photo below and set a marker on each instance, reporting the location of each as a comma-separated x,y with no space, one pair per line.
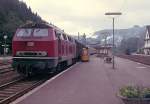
87,16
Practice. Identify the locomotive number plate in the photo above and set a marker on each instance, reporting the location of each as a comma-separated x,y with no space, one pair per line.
30,44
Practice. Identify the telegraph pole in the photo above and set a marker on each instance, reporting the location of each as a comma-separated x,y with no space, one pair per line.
113,43
78,36
84,37
5,46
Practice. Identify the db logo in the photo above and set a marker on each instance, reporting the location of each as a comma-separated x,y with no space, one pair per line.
30,44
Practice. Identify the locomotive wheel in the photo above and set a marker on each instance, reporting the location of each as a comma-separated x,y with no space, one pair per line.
53,71
74,61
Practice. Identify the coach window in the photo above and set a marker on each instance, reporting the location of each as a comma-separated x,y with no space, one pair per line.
73,40
69,38
64,36
40,32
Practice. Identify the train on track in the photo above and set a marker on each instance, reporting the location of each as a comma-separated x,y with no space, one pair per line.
43,48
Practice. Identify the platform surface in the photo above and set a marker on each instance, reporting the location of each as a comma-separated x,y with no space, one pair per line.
93,82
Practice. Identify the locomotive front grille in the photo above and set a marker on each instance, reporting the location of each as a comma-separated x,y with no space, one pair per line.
31,53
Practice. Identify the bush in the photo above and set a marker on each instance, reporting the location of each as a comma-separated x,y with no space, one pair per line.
146,93
135,92
129,92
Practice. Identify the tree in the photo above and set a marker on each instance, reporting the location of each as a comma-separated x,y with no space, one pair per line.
14,13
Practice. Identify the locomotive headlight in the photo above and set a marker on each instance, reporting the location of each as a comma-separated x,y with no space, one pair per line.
19,53
42,53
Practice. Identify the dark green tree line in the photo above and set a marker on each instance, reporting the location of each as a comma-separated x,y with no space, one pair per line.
14,13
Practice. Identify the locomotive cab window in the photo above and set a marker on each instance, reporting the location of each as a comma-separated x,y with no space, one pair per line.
40,32
24,32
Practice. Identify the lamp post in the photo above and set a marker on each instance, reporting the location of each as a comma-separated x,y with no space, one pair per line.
113,19
5,37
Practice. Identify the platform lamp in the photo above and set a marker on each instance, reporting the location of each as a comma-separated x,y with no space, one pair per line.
5,37
113,14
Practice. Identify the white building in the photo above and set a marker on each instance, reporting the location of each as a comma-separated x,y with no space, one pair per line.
147,41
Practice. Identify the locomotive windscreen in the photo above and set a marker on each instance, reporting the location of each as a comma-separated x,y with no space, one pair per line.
37,32
24,32
40,32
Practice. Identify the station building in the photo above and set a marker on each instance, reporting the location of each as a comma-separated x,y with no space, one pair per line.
147,41
104,50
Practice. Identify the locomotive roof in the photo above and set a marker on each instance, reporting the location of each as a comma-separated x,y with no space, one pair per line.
45,25
40,25
36,25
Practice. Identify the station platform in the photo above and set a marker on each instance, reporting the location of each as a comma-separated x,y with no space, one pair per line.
93,82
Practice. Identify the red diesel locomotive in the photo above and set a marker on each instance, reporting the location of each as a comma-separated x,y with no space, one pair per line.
43,48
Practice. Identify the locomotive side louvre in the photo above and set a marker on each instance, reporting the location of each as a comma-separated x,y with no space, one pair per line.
66,48
61,46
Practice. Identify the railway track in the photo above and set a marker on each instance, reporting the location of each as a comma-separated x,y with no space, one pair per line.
6,69
12,90
7,63
5,66
3,71
137,58
16,88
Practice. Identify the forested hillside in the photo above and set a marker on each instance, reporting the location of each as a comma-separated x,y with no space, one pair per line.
14,13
